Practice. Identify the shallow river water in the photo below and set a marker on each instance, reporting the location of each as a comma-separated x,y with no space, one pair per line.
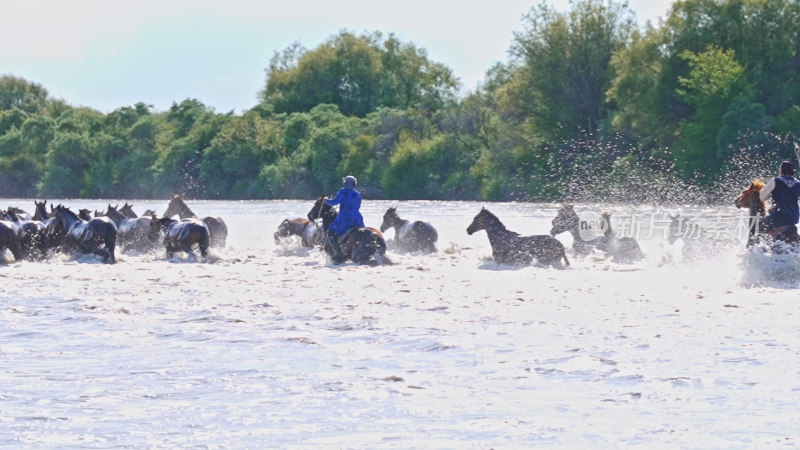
268,345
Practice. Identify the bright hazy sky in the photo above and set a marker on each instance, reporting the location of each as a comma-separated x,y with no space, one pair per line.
106,54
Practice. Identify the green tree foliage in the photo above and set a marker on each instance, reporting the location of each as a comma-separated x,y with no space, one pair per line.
586,107
233,160
357,74
66,162
715,80
563,66
17,93
190,127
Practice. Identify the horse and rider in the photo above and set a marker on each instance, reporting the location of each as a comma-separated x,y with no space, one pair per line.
780,223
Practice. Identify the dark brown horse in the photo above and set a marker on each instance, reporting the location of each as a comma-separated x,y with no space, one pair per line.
9,239
750,199
589,235
410,236
32,234
127,211
567,220
510,248
216,226
361,245
41,213
182,235
622,249
310,232
96,236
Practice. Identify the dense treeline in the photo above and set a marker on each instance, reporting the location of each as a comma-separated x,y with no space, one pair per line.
588,106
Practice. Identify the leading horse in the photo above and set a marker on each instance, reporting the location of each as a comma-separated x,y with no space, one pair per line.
97,236
216,226
410,236
361,245
508,247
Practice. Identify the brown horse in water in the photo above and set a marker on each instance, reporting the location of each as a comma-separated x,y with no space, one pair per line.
620,249
567,220
361,245
133,233
410,236
32,234
216,226
750,199
510,248
311,234
9,239
182,235
97,236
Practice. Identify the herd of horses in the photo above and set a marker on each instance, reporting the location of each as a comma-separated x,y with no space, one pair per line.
367,245
35,237
62,230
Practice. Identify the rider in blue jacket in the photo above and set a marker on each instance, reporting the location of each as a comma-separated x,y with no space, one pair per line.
349,201
785,191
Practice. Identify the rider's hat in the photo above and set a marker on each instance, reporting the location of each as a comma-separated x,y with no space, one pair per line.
787,168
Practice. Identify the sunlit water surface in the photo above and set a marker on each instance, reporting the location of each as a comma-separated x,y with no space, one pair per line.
271,346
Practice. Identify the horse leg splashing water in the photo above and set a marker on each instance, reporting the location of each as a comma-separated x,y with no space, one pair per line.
361,245
508,247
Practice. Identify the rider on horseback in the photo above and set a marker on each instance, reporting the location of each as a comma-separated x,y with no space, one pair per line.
349,216
785,191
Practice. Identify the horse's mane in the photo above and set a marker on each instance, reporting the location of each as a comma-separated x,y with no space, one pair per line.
68,211
757,184
493,220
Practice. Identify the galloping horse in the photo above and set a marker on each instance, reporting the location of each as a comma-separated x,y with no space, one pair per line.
182,235
410,236
751,200
133,233
624,249
97,236
310,232
32,234
9,239
361,245
510,248
567,220
216,226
